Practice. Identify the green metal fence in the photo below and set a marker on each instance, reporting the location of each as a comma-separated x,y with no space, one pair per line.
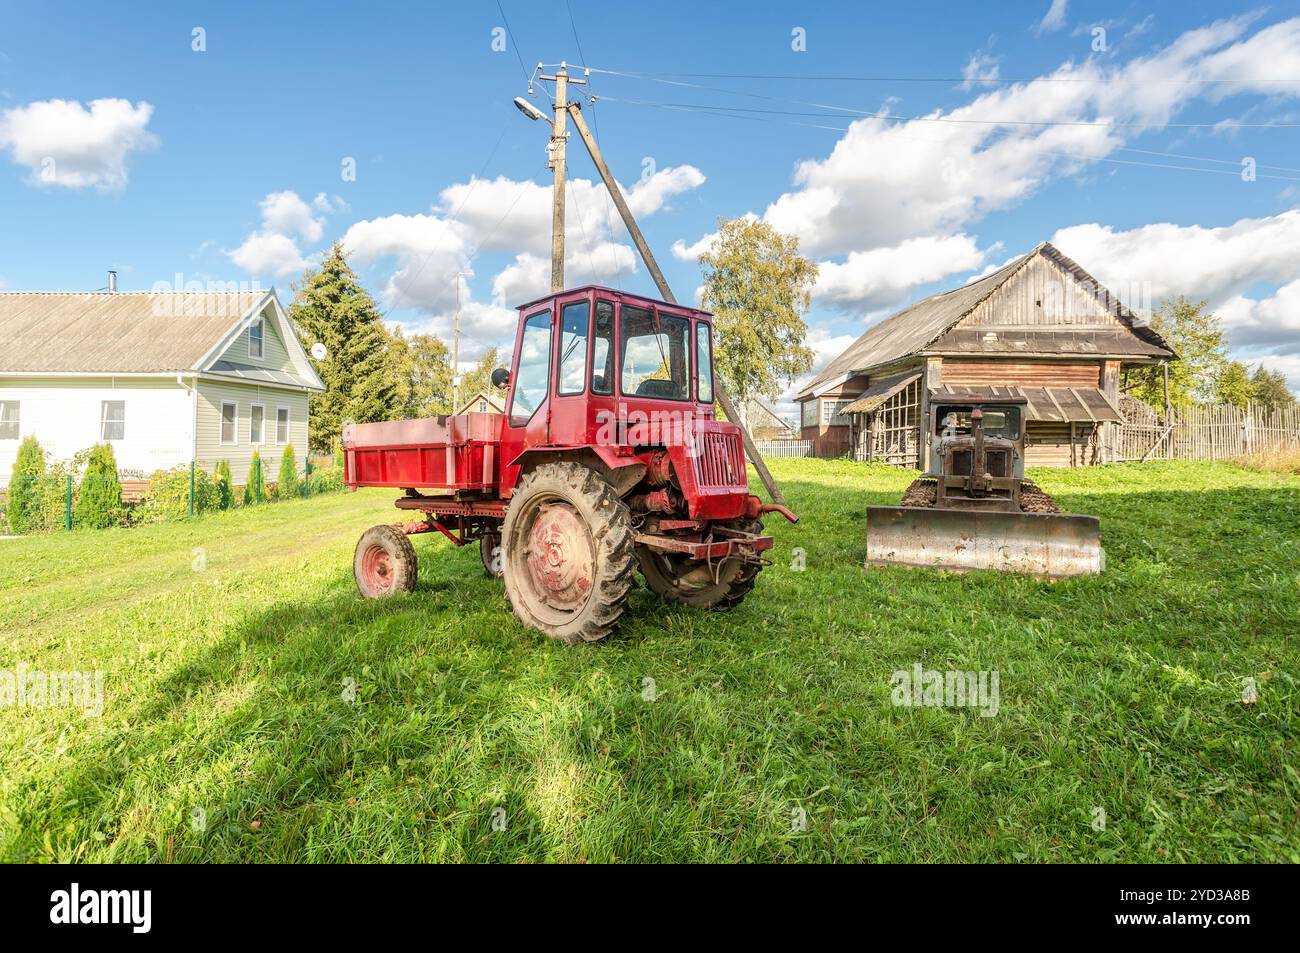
62,500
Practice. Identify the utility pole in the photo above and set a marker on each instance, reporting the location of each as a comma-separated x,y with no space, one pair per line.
652,266
455,350
559,139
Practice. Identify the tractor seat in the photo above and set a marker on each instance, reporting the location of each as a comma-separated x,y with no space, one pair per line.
658,388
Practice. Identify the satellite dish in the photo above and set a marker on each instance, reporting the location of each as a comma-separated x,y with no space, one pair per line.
319,351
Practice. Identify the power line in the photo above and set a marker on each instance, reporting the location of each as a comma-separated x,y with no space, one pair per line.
866,114
724,111
511,33
784,77
595,122
455,215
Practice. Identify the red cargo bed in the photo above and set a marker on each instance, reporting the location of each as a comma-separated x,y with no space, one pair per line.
447,453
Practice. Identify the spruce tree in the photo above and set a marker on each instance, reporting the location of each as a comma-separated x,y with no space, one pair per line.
24,506
99,503
288,485
331,307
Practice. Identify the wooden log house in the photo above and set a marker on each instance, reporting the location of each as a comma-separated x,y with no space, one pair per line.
1040,327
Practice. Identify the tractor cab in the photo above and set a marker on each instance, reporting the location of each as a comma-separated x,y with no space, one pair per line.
977,450
621,376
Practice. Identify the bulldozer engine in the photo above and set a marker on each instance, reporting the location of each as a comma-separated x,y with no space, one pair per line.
978,471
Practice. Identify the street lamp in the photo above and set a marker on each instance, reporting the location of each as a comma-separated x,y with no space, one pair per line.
529,110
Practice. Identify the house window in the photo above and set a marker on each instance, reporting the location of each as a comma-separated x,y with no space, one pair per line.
282,425
112,420
831,412
256,417
229,420
8,420
808,413
255,338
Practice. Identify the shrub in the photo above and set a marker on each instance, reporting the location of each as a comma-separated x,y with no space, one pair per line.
224,488
169,494
99,503
255,485
288,485
326,479
24,501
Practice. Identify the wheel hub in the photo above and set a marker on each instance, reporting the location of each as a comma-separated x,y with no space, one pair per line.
560,557
377,569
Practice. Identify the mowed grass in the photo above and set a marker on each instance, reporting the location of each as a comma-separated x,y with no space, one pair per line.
228,643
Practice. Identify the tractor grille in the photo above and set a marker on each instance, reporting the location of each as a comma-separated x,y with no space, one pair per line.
720,462
996,462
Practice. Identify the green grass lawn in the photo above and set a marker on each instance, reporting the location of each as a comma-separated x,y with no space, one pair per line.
224,690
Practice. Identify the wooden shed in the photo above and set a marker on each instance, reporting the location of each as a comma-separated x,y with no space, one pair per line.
1041,327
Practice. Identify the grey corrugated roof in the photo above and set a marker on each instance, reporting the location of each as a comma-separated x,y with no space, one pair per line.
913,329
1056,404
989,339
879,392
115,332
259,375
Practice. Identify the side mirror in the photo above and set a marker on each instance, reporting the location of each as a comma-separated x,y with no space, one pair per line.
500,377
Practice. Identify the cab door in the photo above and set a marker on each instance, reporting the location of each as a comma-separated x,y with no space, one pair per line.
570,376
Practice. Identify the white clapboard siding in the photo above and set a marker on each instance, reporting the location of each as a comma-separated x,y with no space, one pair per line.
64,415
240,454
274,353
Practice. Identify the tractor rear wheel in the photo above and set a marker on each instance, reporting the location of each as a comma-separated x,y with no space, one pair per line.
696,582
489,552
384,563
567,553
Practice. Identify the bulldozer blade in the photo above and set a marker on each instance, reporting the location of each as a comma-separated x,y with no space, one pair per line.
1047,545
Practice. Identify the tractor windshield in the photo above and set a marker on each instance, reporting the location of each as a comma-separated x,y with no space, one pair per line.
998,422
655,352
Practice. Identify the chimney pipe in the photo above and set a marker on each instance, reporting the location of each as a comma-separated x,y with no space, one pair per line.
112,281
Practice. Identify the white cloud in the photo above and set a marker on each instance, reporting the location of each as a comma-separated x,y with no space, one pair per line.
883,183
63,143
1054,18
980,68
502,214
1192,260
285,213
287,219
883,276
266,253
692,252
1220,265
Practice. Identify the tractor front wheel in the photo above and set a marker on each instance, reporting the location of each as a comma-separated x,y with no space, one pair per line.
568,553
384,563
696,582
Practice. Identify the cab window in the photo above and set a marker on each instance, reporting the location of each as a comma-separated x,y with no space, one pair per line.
655,349
602,349
573,348
998,422
704,363
532,378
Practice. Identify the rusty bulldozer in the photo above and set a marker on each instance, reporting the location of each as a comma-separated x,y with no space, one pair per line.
974,509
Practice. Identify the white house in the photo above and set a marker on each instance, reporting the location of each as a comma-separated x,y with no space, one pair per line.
165,378
482,403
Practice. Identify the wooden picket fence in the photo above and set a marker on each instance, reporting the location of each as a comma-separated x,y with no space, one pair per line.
1211,432
784,448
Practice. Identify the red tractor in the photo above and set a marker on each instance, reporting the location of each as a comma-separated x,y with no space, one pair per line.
608,458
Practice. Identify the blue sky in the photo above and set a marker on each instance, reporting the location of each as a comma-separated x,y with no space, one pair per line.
121,146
